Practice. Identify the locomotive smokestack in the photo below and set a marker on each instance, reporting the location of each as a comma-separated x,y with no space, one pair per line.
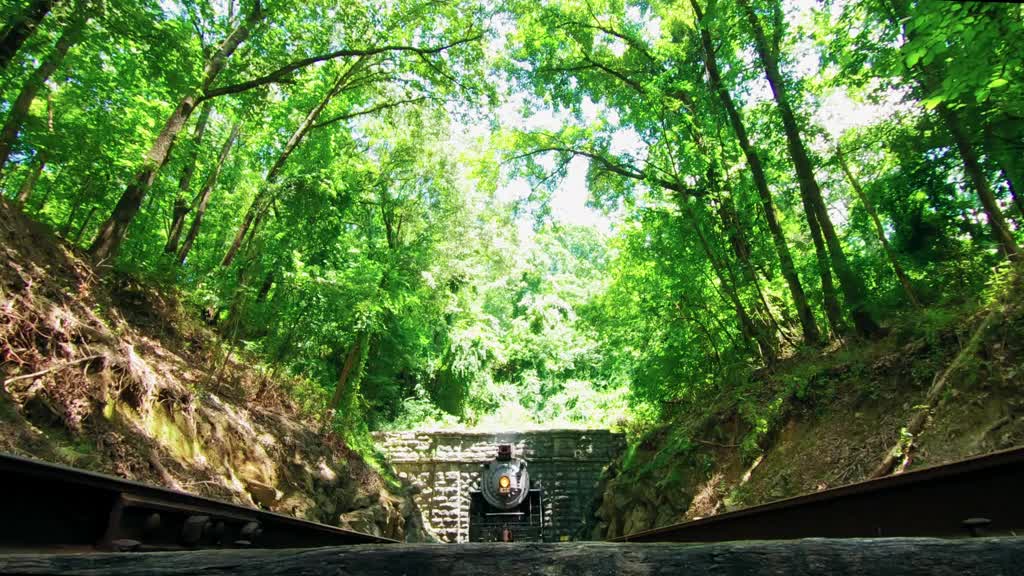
504,452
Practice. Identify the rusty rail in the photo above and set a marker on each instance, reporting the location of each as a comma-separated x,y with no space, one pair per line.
981,495
47,507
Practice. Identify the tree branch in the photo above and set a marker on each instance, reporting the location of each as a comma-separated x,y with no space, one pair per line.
617,74
285,71
629,40
624,170
777,22
371,110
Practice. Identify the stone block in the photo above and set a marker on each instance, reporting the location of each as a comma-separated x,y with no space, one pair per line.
445,467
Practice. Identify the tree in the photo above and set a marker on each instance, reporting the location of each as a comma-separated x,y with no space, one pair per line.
202,200
879,229
112,231
959,61
70,35
807,321
851,285
262,201
181,207
21,27
921,51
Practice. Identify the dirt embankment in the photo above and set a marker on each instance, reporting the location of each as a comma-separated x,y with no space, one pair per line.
102,373
827,420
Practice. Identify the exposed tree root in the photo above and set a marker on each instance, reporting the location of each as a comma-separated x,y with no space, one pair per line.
997,425
917,424
171,481
52,369
715,444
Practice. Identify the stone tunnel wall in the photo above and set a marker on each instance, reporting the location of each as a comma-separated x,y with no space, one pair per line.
443,467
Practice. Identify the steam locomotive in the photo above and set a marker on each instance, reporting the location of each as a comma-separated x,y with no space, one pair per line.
506,508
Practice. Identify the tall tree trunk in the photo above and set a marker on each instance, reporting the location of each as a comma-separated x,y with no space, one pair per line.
251,222
1017,200
265,194
112,232
737,238
851,285
268,283
929,82
65,230
206,193
734,233
20,109
728,296
685,309
48,191
829,295
1004,144
908,288
349,371
243,229
972,166
85,224
751,327
80,199
21,28
741,248
750,330
181,204
812,335
29,183
764,326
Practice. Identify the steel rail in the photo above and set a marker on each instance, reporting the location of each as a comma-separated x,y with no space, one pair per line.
980,495
53,507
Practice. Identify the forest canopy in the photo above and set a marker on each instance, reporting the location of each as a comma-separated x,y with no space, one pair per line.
384,201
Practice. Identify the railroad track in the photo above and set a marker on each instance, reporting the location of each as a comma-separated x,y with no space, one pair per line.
976,496
49,508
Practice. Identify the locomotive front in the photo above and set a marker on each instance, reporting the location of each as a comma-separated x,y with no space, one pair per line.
506,507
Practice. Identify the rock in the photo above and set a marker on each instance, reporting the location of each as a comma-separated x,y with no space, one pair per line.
414,530
361,500
365,520
639,517
262,494
666,515
40,410
297,504
395,523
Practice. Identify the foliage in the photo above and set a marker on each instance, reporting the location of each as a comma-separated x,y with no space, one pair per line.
347,171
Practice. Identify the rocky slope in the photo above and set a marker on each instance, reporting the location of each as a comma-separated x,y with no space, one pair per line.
104,374
830,419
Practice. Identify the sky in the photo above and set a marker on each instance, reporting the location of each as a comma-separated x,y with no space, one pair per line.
568,201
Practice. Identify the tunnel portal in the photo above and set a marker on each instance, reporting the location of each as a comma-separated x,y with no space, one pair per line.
444,468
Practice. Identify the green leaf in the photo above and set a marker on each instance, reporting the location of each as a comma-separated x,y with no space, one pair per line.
915,56
931,103
998,83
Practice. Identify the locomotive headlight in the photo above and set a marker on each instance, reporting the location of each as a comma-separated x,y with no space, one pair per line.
504,483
